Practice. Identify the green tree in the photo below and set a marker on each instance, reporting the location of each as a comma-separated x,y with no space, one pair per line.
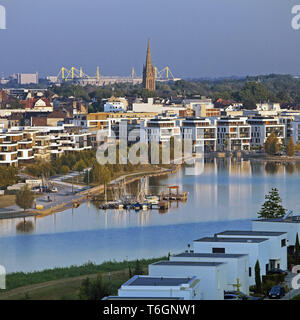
64,170
25,198
290,149
94,290
79,166
272,208
138,270
272,144
297,246
257,277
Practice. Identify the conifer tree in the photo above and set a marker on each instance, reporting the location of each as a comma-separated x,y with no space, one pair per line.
272,208
297,246
257,277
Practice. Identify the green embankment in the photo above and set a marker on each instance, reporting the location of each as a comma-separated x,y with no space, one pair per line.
64,283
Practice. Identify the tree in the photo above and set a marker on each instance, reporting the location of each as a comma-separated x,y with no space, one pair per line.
272,144
94,290
257,277
64,170
290,149
25,198
297,246
79,166
272,208
138,269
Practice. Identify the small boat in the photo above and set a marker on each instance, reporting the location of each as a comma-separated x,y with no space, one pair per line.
137,206
152,199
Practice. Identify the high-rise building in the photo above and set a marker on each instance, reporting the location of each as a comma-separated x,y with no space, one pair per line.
149,72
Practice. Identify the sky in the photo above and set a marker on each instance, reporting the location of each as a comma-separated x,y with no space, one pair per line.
195,38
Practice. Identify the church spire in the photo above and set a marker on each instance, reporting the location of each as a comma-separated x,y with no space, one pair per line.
149,71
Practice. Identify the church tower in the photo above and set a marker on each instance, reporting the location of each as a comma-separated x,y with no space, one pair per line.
149,72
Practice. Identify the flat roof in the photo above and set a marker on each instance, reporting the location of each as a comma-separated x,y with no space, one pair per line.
209,255
187,263
157,281
241,240
294,219
251,233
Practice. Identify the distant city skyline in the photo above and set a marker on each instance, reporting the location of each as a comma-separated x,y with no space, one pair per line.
195,39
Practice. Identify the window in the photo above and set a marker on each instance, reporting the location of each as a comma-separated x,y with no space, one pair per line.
283,242
250,272
218,250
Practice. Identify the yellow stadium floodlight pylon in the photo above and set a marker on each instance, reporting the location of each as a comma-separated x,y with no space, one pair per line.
98,73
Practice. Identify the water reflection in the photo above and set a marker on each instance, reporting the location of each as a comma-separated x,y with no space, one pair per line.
228,189
25,227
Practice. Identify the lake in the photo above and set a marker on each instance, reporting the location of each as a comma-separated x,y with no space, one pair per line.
226,195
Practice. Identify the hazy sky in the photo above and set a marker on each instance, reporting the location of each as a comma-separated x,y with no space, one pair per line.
196,38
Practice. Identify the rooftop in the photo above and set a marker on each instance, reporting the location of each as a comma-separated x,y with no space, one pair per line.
240,240
250,233
158,281
291,219
209,255
187,263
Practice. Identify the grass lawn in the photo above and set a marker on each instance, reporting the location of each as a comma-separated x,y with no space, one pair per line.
64,283
7,201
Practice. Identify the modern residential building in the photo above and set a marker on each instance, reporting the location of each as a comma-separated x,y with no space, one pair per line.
262,127
187,288
202,133
233,134
237,267
277,241
256,248
159,129
290,225
212,275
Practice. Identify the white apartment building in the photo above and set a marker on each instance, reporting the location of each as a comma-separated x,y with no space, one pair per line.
296,129
186,288
212,275
255,248
114,106
237,266
262,127
290,225
160,130
277,242
233,134
202,133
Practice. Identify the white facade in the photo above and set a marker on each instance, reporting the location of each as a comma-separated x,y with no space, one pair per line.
202,133
261,128
160,287
28,78
116,106
277,245
233,134
160,130
289,225
257,249
212,275
296,129
237,266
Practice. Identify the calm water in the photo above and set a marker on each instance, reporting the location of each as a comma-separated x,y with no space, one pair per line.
226,195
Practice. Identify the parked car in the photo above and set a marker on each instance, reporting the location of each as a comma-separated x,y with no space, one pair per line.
277,292
277,271
235,295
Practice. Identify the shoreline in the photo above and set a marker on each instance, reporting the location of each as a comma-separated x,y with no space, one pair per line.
86,194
